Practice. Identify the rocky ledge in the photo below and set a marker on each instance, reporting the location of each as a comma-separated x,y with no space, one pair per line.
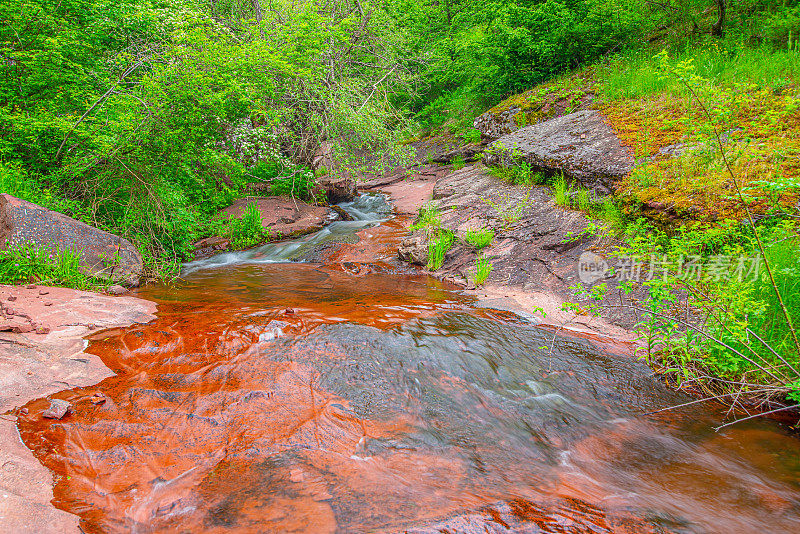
535,252
39,362
580,145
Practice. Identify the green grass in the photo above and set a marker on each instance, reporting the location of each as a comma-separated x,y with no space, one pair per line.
35,264
583,200
521,174
634,74
483,268
479,238
458,163
561,191
438,247
427,217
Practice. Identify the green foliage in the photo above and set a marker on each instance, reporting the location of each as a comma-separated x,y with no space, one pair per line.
296,183
23,264
458,163
483,268
521,174
479,238
438,247
428,217
147,118
246,231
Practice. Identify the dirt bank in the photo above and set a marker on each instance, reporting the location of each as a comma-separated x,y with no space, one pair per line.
34,364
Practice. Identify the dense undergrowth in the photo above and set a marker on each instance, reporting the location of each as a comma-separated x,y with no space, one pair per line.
146,118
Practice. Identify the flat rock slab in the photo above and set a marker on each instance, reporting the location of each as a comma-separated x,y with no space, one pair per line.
284,216
534,254
37,365
581,145
102,254
409,190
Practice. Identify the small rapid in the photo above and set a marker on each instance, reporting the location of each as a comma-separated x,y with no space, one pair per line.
366,210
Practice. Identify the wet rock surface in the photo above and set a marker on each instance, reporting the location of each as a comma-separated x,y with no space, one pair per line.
57,410
536,249
581,145
386,403
34,365
102,254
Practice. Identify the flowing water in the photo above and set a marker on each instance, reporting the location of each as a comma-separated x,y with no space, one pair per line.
362,396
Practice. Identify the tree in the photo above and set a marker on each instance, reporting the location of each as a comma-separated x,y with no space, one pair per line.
717,27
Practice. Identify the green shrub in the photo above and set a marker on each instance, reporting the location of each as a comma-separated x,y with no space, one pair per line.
246,231
438,247
479,238
458,163
298,182
483,268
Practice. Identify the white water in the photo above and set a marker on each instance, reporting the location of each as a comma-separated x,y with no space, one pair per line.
367,210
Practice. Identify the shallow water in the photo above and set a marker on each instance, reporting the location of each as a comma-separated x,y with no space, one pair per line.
297,397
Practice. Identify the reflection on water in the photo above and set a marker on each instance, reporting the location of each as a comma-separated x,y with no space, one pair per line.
299,398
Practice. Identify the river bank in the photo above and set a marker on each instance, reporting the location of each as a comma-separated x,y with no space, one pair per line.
37,363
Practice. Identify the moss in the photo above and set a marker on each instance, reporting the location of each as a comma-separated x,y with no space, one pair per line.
558,97
763,149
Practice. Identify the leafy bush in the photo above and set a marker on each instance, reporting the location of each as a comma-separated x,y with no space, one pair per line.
479,238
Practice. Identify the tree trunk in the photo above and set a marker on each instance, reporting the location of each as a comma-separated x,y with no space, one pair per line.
257,8
716,29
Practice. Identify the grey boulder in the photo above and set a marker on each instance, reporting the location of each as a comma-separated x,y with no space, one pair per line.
581,145
102,254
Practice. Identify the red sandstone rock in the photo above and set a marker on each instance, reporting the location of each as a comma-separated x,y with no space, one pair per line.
116,290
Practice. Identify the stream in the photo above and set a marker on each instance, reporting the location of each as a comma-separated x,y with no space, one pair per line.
346,392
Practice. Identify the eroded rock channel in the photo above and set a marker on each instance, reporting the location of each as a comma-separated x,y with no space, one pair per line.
348,392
